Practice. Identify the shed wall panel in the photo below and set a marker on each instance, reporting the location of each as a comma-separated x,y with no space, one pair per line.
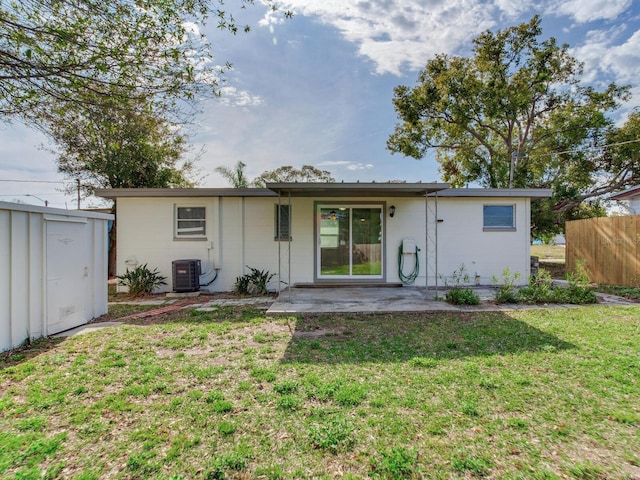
36,272
5,280
19,277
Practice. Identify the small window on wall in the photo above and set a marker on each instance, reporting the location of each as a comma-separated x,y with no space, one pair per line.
283,222
190,222
499,217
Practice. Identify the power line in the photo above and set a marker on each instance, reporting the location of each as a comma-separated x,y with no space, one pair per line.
575,150
31,181
26,194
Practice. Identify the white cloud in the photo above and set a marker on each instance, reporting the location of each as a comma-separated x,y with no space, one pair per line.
584,11
402,34
513,8
601,56
359,166
231,96
333,163
351,166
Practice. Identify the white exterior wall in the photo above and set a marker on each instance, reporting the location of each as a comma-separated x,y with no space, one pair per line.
53,271
240,233
634,204
461,239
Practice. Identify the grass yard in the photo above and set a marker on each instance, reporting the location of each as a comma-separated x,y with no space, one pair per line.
540,394
556,252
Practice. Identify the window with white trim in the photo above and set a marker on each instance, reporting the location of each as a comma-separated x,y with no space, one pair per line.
282,222
499,217
190,222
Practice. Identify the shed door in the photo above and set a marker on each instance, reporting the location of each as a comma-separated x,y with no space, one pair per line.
67,270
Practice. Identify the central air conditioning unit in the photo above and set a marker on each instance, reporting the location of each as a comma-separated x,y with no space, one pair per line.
186,275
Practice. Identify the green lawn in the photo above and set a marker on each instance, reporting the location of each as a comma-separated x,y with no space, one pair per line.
539,394
556,252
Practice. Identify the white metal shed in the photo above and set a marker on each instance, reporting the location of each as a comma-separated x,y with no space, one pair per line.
53,270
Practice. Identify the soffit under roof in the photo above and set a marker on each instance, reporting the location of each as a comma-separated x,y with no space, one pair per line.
356,189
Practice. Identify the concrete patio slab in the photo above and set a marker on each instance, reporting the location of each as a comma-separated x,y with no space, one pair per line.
406,299
363,300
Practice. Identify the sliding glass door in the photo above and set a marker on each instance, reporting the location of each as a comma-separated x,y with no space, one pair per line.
350,241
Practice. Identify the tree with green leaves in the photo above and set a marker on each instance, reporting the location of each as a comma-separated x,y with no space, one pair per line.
307,173
236,176
65,51
129,146
514,115
126,146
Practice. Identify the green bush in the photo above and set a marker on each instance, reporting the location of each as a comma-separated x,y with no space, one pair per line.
542,290
462,296
539,290
576,294
458,294
141,280
578,290
254,283
507,290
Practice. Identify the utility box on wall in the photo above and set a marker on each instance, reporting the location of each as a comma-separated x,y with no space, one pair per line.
186,275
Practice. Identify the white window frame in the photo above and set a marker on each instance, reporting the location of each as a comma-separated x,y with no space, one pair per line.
176,223
499,228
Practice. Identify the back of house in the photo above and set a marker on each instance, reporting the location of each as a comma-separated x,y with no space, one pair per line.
327,233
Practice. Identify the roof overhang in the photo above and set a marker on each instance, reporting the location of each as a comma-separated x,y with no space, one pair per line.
497,192
626,194
356,189
328,190
113,193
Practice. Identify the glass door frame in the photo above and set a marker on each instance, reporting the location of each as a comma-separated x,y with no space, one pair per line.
350,278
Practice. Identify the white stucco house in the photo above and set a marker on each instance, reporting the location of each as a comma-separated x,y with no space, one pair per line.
630,198
327,233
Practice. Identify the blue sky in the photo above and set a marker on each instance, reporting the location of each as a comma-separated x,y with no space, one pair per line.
317,89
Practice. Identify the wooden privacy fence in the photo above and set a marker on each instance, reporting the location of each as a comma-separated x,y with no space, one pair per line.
609,246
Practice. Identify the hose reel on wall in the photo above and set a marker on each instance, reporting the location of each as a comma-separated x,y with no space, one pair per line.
408,248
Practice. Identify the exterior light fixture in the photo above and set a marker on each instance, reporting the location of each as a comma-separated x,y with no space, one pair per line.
392,210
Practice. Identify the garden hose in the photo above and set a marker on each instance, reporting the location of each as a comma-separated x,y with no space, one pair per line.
411,277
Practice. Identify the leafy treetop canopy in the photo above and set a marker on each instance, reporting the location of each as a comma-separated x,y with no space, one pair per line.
514,114
67,51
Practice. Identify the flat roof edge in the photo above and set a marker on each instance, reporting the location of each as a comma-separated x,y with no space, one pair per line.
327,190
23,207
354,189
113,193
626,194
496,192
